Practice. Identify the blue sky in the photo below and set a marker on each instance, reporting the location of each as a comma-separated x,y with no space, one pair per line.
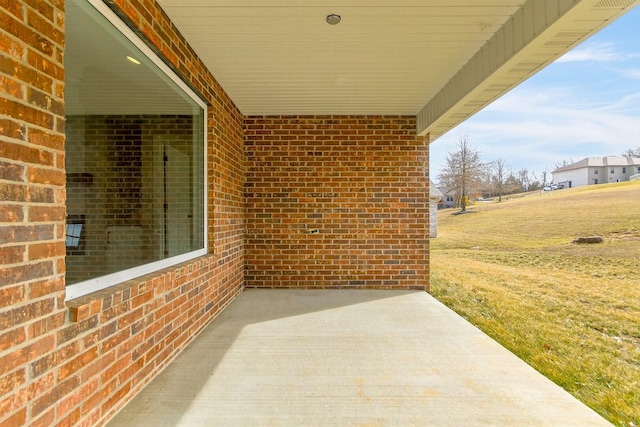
586,103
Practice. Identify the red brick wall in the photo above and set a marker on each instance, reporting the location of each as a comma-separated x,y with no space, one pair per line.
336,201
32,198
76,363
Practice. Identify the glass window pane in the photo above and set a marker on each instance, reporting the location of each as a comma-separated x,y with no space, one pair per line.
134,154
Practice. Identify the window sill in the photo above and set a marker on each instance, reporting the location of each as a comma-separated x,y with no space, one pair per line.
136,292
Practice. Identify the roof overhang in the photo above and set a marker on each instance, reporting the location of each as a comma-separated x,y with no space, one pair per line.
440,60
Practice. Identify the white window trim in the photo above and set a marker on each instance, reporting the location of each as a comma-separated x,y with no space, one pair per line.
88,286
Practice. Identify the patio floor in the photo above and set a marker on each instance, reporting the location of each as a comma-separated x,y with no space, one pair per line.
348,357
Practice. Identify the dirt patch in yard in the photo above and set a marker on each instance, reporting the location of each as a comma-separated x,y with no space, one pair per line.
625,235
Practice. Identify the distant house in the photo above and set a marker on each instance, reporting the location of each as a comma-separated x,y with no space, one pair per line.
449,197
435,197
597,170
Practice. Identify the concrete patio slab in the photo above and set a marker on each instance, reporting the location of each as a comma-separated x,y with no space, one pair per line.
348,357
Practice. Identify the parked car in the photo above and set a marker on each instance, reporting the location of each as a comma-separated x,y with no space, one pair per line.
547,188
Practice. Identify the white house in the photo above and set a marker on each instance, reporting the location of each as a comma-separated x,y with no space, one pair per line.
434,197
597,170
449,197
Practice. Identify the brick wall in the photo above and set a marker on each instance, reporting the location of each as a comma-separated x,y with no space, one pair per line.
32,197
77,362
336,201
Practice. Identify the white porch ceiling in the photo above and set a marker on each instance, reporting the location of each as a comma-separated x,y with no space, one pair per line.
441,60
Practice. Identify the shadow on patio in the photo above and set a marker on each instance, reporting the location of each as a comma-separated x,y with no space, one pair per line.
348,357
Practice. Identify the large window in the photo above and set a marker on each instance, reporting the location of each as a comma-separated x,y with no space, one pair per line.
134,156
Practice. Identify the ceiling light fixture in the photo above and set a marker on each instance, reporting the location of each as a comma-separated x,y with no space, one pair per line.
333,19
133,60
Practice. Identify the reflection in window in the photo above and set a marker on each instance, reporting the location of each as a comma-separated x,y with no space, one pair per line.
134,154
74,238
73,235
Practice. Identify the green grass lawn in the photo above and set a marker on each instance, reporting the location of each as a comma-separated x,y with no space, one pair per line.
571,311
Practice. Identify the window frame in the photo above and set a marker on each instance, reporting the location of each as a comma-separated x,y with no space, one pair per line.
83,288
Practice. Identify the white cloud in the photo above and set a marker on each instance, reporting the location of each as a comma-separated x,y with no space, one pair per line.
631,73
598,52
535,130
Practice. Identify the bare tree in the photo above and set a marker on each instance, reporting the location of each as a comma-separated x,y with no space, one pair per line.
463,170
534,184
543,175
525,178
513,184
563,163
632,153
500,173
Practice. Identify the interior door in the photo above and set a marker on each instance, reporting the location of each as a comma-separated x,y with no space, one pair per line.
177,196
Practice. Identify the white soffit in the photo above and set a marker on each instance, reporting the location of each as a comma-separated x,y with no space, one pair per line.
538,34
441,60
